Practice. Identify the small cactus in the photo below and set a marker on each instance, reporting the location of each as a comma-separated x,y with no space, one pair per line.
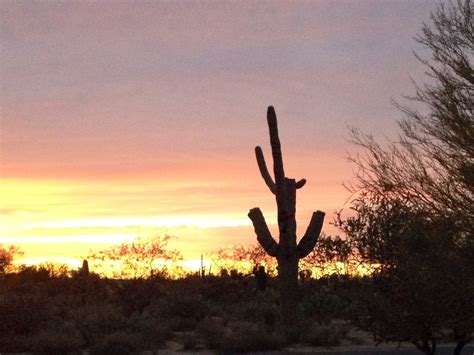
287,251
85,268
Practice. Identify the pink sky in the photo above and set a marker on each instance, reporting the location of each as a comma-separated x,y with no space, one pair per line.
148,112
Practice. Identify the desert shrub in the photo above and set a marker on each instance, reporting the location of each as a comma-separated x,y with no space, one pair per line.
154,331
181,324
325,335
237,336
55,340
33,273
88,289
323,305
96,321
189,341
246,337
269,316
102,326
135,295
116,343
184,305
21,316
267,313
221,290
246,311
7,255
212,330
260,308
137,259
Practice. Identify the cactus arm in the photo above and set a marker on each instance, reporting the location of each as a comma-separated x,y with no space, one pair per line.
262,166
264,236
300,183
307,243
276,147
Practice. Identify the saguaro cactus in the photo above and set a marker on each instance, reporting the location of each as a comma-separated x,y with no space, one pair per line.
287,251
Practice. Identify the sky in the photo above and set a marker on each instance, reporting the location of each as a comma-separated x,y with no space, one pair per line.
123,119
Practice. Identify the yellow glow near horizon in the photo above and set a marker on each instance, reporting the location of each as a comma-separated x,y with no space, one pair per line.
195,221
205,211
89,239
72,263
64,219
189,265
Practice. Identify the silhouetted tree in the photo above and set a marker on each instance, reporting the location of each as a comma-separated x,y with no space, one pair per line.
286,251
137,259
414,217
433,164
7,255
331,255
422,280
239,256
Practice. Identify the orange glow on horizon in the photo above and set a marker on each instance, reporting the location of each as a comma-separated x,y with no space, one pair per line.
144,122
66,218
183,266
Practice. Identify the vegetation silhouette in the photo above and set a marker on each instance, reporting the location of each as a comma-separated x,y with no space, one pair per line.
244,258
7,255
138,259
420,289
411,228
414,215
286,251
262,278
52,310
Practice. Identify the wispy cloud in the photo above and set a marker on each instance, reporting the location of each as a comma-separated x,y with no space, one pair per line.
118,116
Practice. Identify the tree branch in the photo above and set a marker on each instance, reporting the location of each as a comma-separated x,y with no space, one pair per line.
311,236
264,236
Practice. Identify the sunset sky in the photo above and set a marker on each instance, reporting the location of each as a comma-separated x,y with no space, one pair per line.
123,118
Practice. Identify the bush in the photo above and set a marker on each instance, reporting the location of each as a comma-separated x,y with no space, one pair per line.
325,335
213,330
116,344
189,341
263,308
95,322
56,341
20,316
182,311
245,337
154,331
323,305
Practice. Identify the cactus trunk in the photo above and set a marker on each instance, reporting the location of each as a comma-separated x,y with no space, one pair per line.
288,280
287,251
